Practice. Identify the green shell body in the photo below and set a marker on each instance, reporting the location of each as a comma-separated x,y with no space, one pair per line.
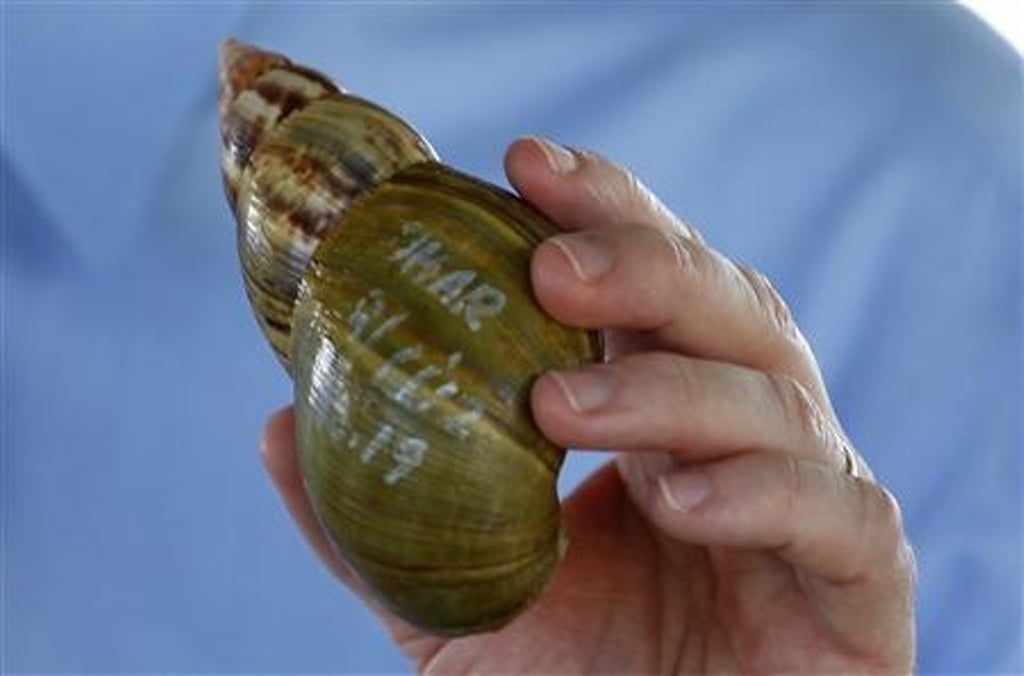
413,338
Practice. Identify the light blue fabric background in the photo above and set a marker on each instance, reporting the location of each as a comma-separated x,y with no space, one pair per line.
866,157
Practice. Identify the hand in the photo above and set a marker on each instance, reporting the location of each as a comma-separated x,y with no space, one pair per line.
737,529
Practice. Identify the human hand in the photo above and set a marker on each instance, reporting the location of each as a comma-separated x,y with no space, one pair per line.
737,529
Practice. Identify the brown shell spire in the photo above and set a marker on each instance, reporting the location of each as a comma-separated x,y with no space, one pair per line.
257,90
296,150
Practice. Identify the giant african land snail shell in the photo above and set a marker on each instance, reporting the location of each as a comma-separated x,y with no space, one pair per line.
396,292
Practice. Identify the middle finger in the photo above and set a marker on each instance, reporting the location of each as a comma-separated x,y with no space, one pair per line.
696,409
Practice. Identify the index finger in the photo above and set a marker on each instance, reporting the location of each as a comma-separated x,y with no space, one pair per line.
633,266
590,192
280,457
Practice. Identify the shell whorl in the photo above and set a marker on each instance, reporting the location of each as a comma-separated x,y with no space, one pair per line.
296,151
258,89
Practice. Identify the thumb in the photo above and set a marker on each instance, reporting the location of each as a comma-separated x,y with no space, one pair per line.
280,458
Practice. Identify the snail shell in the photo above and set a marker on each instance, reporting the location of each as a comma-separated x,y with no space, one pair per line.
406,319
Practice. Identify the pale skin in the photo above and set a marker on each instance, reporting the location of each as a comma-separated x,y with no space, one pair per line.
736,529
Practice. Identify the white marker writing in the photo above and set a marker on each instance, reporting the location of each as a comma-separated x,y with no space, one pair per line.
461,291
403,356
482,302
422,259
460,424
407,391
369,310
409,455
381,439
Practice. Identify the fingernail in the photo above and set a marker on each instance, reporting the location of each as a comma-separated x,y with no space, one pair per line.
560,159
684,490
587,389
590,257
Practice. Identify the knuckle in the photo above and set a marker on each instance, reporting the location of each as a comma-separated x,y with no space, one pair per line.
771,304
667,266
634,192
687,231
799,407
688,388
887,517
793,502
638,199
880,529
793,491
616,188
626,194
682,253
690,260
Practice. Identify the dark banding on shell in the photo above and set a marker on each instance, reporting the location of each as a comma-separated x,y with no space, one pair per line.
296,152
258,89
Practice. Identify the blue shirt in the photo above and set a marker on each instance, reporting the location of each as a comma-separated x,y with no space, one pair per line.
866,157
